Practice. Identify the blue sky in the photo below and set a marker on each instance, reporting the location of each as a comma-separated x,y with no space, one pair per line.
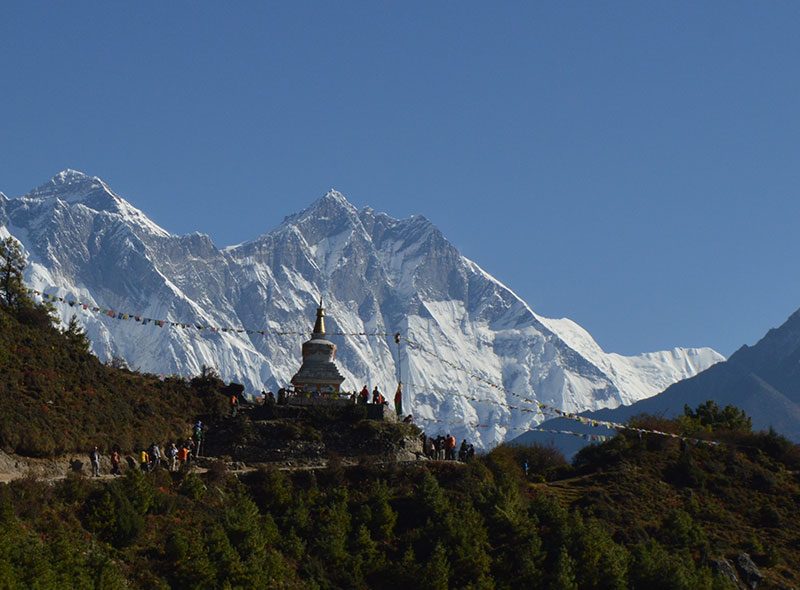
631,165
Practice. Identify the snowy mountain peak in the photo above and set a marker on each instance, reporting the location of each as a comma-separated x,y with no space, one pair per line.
335,195
71,186
332,201
74,187
69,176
329,216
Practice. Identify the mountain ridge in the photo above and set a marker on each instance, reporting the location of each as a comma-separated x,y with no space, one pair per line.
375,273
762,379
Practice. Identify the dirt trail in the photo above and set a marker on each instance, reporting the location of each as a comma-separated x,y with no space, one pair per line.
53,469
13,467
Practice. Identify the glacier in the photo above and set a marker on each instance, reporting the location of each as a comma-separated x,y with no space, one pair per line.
481,356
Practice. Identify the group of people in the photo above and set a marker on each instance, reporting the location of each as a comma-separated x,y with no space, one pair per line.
363,397
378,398
443,448
173,457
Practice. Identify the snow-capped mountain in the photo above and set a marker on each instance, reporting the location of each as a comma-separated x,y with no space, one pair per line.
374,273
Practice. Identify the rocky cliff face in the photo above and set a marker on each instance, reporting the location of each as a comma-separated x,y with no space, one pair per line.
376,274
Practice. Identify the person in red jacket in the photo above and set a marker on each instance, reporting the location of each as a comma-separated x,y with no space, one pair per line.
450,446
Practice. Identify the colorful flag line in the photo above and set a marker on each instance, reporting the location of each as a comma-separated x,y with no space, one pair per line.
161,323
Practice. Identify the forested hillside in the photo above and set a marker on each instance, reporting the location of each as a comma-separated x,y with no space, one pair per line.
628,514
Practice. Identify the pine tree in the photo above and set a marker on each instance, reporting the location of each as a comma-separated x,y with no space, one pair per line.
76,335
383,518
437,572
12,263
564,574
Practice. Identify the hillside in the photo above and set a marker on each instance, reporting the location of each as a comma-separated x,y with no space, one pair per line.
57,397
629,513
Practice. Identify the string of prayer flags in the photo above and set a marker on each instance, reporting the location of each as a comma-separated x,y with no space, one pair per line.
144,321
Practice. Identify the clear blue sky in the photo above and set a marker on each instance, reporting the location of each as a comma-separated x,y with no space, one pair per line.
631,165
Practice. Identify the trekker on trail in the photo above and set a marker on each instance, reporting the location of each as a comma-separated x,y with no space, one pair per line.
155,457
95,457
430,448
115,461
144,461
363,396
450,445
439,446
172,453
197,437
184,454
398,399
462,451
376,396
234,405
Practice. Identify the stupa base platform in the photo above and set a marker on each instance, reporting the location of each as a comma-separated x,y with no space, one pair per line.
297,400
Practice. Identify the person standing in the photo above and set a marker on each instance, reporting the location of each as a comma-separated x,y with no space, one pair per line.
95,457
376,396
155,456
451,447
115,461
398,400
184,454
172,453
197,437
462,451
144,461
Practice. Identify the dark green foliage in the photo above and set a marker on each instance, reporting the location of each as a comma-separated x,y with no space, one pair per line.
112,517
425,526
563,576
437,571
709,416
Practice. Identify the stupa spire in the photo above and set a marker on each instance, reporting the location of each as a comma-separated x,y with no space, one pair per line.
319,325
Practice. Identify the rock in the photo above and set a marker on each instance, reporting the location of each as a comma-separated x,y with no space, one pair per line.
725,568
748,570
404,455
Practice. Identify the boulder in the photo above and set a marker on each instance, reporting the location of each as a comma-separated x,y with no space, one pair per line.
748,570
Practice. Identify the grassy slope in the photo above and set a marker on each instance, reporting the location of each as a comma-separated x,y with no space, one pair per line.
57,397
